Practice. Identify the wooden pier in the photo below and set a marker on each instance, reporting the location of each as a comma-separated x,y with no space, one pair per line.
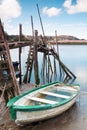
8,85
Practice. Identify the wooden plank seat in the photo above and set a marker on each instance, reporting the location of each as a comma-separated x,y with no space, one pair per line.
40,100
66,88
55,95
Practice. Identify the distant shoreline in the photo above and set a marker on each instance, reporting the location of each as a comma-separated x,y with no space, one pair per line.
70,42
17,44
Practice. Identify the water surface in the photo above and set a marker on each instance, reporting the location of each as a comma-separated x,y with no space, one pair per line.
73,56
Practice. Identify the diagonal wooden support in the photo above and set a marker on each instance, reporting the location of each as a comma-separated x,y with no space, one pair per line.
11,68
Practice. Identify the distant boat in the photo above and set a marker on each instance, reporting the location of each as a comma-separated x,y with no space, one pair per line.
43,102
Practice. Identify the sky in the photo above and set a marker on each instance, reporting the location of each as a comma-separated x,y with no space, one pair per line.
67,17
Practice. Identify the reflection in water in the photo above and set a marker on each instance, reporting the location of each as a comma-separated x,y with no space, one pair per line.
53,69
74,57
82,74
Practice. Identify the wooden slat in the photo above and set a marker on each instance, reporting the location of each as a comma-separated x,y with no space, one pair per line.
41,100
66,88
55,95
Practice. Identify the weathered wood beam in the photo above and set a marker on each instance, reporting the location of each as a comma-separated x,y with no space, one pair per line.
36,71
20,76
20,32
2,35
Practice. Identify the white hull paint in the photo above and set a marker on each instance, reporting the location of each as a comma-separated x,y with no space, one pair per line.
34,116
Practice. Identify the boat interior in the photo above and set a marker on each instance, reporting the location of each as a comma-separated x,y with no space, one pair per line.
49,95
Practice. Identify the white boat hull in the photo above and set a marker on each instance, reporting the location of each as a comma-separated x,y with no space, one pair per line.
43,103
34,116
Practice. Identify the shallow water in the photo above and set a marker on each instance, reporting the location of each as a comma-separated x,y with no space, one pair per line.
73,56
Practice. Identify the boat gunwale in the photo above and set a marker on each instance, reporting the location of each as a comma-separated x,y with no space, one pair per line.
43,107
13,100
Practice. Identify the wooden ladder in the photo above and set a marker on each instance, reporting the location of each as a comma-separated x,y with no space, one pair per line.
7,74
29,66
4,66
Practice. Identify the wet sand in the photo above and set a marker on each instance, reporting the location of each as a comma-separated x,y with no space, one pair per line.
73,119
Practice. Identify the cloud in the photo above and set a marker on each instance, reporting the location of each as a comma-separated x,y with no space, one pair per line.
80,6
9,9
51,11
10,28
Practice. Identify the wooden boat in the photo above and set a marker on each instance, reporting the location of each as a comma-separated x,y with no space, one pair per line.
43,102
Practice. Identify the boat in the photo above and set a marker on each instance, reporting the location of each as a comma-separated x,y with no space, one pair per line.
43,102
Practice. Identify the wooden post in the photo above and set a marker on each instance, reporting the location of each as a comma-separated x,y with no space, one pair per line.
20,32
56,42
40,20
37,80
20,50
32,27
58,55
48,67
43,68
20,78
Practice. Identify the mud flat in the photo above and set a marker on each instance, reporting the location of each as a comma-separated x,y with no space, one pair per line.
73,119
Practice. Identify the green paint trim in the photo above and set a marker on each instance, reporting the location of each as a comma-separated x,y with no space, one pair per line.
44,107
12,113
14,108
13,100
